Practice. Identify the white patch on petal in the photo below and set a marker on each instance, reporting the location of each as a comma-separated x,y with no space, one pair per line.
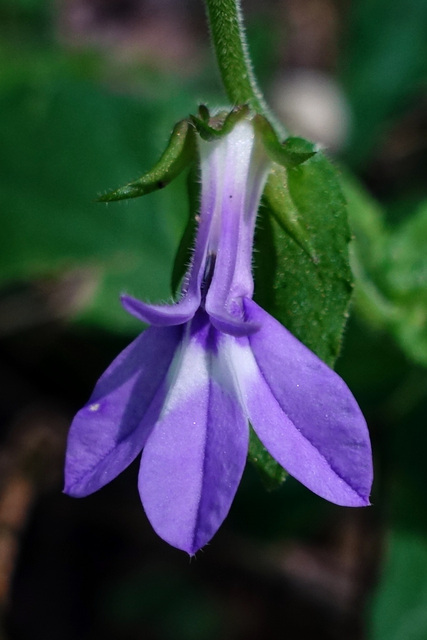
233,368
188,373
238,367
94,407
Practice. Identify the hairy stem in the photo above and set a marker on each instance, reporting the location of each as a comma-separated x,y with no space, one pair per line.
231,50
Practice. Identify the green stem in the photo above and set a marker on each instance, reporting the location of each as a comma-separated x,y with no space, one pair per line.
229,40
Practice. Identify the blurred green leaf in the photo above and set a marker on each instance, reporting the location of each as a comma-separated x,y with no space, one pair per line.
399,609
390,265
385,65
311,292
406,272
62,143
367,253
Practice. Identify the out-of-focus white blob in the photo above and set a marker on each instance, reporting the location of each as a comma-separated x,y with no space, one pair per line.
312,105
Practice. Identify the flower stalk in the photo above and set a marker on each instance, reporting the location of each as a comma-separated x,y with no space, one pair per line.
232,55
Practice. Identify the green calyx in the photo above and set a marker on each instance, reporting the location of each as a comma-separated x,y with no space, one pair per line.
214,127
289,154
180,152
279,202
286,156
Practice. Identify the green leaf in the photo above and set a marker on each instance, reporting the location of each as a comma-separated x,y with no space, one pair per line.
385,66
390,266
367,254
61,144
311,289
302,273
406,283
399,608
272,474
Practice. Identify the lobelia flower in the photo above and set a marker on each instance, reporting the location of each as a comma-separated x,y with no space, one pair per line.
185,390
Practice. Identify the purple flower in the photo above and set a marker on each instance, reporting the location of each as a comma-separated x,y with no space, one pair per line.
185,390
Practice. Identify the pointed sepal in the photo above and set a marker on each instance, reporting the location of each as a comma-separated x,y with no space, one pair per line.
291,153
179,153
219,125
280,204
286,156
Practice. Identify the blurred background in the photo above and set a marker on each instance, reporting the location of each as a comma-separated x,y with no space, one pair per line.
89,92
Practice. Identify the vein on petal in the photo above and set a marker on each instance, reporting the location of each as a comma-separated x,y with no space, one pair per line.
331,466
